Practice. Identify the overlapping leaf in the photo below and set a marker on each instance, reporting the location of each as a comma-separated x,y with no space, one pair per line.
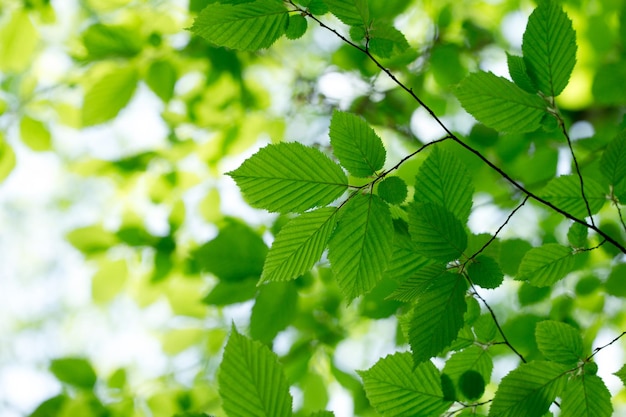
251,381
396,388
438,233
485,272
247,26
549,48
289,177
545,265
613,161
420,282
519,74
274,308
498,103
529,390
350,12
586,396
437,318
299,244
405,261
564,192
387,41
356,145
559,342
473,358
443,179
360,248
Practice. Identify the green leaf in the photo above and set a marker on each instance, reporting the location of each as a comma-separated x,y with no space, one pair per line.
35,134
511,254
393,190
519,74
405,261
559,342
107,41
474,358
386,41
613,161
616,282
549,48
18,41
77,372
226,292
274,308
420,282
621,374
529,390
297,26
7,158
108,95
545,265
248,26
472,385
322,414
235,254
350,12
161,78
443,179
396,388
360,248
91,239
586,396
438,233
498,103
355,144
577,235
299,244
484,271
289,177
437,317
251,380
564,192
529,294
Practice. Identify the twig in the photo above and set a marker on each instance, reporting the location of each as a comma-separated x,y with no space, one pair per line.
598,349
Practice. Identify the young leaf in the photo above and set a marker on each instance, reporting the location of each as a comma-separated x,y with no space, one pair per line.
498,103
549,48
519,74
586,396
299,244
273,310
355,144
392,189
289,177
247,26
396,388
350,12
438,233
545,265
437,318
559,342
529,390
564,192
107,96
420,282
360,248
386,41
443,179
613,161
251,380
485,272
297,26
161,78
35,134
77,372
472,385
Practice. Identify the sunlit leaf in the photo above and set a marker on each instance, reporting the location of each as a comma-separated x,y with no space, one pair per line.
350,12
586,396
474,359
564,192
396,388
519,73
299,244
35,134
7,158
18,41
613,161
108,95
289,177
392,189
297,26
247,26
108,41
161,78
545,265
355,144
77,372
529,390
559,342
387,41
485,272
549,48
251,380
498,103
274,308
616,282
420,282
438,233
360,248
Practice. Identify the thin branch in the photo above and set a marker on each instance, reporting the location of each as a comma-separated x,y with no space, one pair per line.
598,349
452,136
615,201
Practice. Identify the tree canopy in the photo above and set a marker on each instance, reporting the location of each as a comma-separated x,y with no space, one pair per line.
315,208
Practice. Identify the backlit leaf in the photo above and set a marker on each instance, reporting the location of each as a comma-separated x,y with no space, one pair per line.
420,282
297,26
485,272
74,371
586,396
35,134
559,342
519,74
529,390
273,310
474,358
108,95
438,233
621,374
289,177
443,179
564,192
386,41
299,244
545,265
350,12
392,189
498,103
355,144
613,161
251,380
437,317
161,78
247,26
18,41
549,48
360,248
107,41
396,388
405,261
